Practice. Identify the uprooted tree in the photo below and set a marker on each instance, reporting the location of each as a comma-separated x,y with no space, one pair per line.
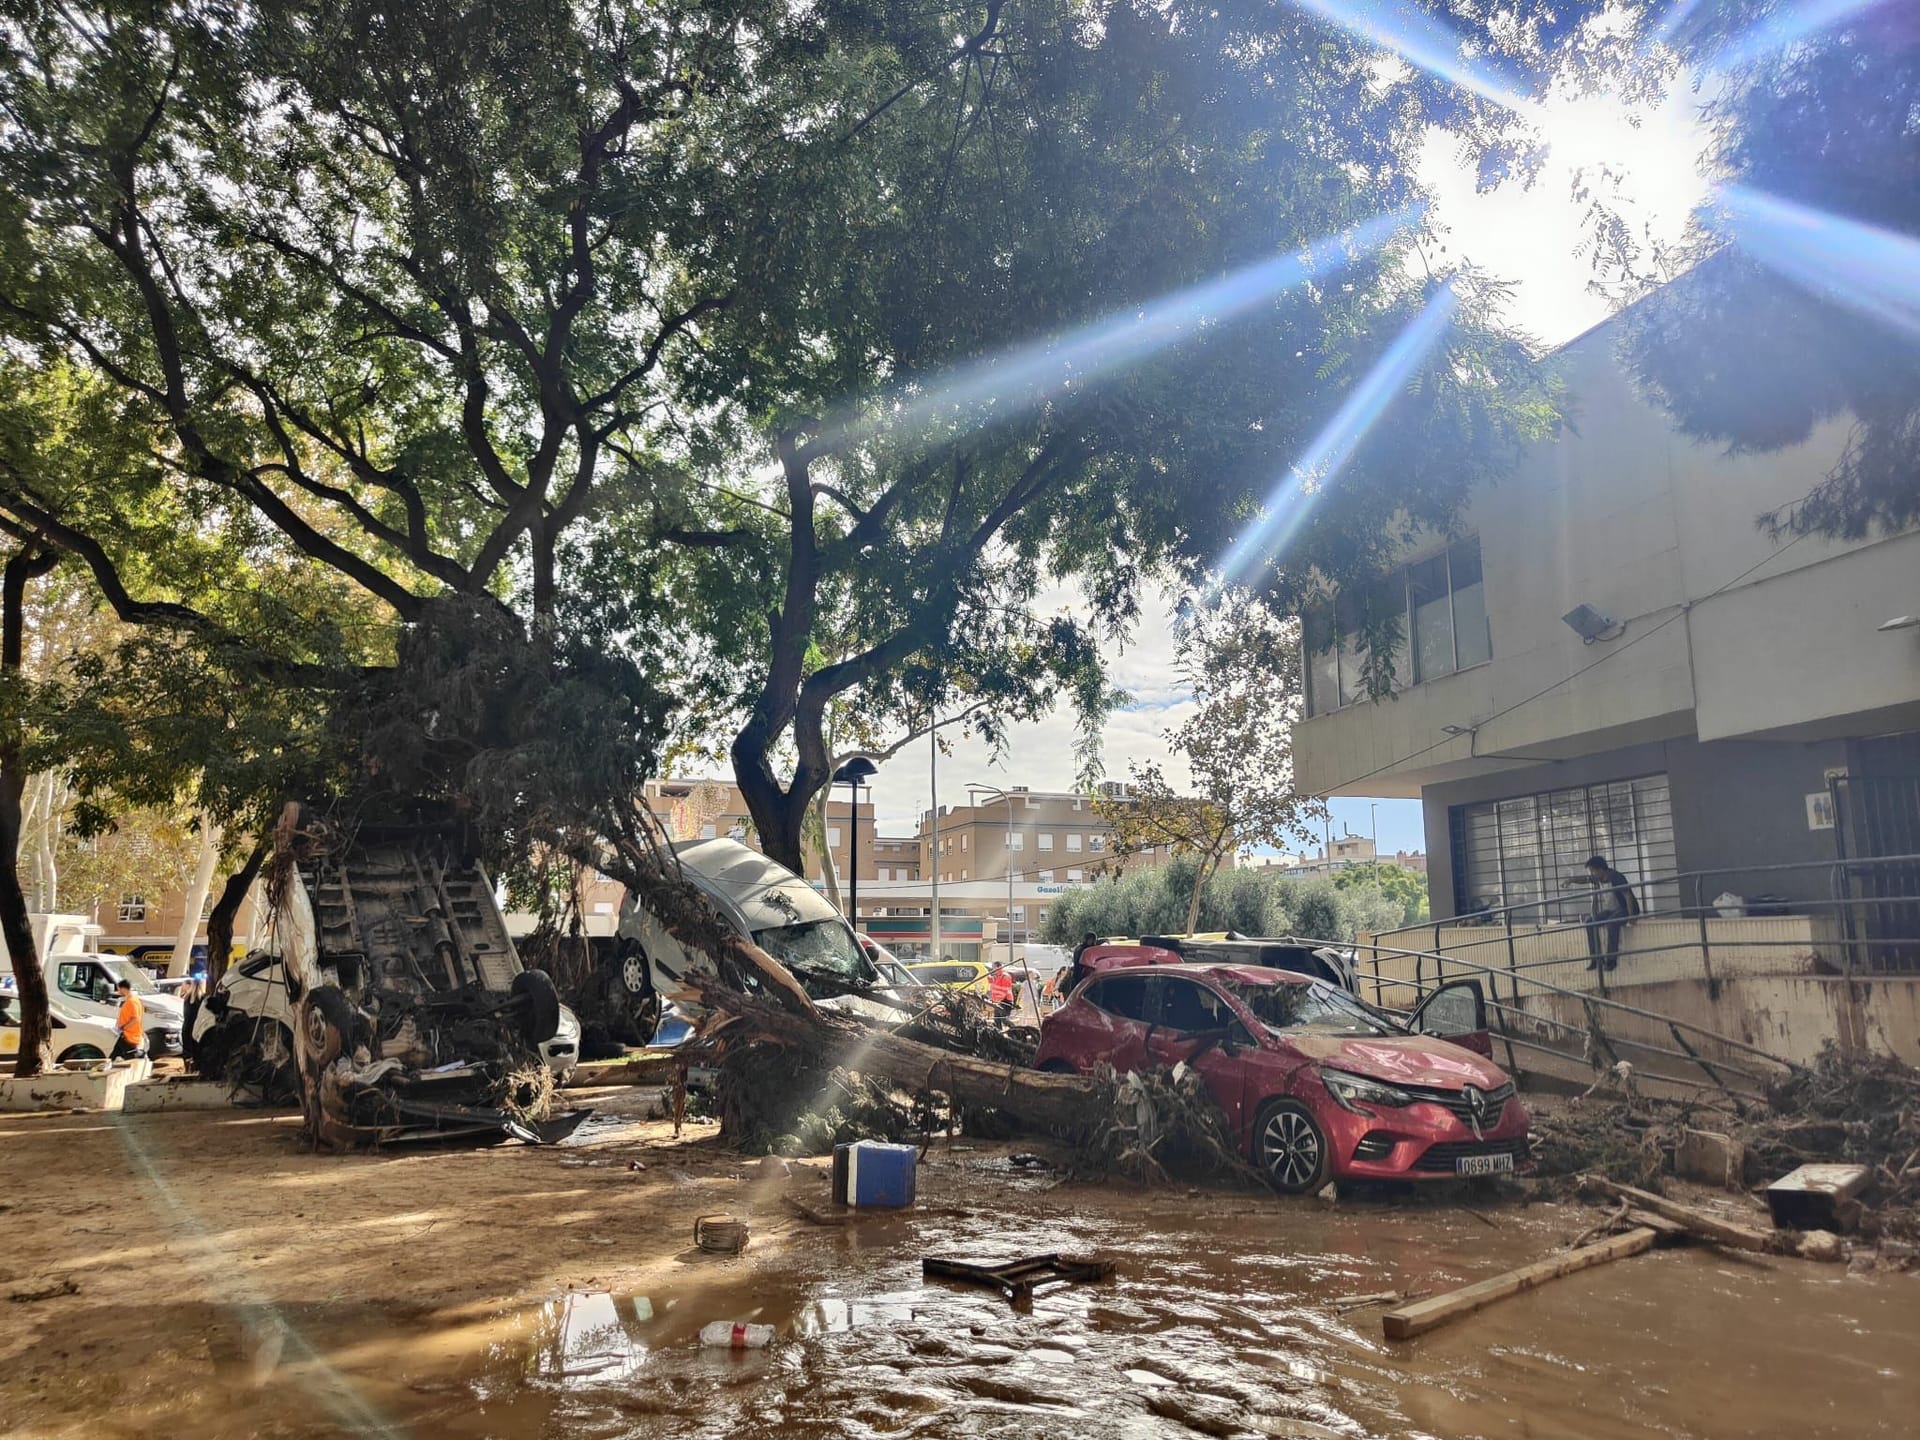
519,303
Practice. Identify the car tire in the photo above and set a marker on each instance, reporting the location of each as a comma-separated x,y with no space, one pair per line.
328,1017
1291,1149
540,1014
79,1052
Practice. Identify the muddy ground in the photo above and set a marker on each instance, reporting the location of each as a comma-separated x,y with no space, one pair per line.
228,1283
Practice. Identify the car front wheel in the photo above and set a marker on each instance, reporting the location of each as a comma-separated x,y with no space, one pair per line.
1291,1149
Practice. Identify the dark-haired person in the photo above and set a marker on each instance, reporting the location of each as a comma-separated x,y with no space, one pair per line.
1614,904
130,1029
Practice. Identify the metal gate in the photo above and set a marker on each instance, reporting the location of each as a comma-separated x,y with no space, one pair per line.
1877,816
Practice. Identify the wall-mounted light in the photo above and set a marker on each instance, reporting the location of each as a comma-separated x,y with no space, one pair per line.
1590,625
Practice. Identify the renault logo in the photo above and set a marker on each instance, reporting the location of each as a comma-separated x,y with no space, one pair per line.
1476,1099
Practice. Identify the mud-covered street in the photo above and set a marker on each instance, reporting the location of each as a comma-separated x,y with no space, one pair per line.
228,1283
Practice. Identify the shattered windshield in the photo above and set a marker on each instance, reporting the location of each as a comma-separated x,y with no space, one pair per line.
1312,1007
820,946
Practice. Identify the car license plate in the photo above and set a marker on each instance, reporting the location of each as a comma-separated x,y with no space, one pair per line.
1482,1164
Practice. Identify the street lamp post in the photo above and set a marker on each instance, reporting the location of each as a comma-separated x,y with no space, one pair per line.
933,798
1373,818
852,774
996,793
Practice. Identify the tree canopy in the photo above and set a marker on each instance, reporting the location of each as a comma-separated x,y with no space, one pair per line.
694,332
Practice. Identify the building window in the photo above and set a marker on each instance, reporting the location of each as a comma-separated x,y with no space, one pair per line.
963,841
833,837
1097,844
1524,850
1046,877
1441,603
1017,840
708,832
1046,842
1043,917
1073,875
133,909
1073,844
1019,914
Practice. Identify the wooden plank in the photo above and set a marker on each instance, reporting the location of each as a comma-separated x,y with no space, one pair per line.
1659,1224
1721,1232
1424,1315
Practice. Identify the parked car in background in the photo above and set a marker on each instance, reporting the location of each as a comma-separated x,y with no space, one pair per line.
76,1038
967,976
1315,1086
81,982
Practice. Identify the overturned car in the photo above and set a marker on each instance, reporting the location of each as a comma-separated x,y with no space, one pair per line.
412,1015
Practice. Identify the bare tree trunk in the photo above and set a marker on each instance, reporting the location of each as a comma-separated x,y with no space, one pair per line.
30,981
220,922
829,872
195,898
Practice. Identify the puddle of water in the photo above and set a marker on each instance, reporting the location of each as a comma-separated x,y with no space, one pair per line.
1217,1326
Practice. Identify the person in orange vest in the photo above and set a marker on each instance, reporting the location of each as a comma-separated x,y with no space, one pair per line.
999,990
131,1025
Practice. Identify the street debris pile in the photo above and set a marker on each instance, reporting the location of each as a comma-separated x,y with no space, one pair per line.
1155,1126
1862,1111
1845,1110
783,1100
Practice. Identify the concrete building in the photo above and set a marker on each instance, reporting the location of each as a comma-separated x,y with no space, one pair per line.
1718,713
144,926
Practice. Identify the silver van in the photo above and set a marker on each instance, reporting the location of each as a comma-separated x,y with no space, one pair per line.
763,900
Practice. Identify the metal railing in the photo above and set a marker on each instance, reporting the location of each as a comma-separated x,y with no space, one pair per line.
1875,908
1609,1031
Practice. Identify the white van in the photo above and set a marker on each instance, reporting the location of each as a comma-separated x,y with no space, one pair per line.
75,1038
80,984
782,914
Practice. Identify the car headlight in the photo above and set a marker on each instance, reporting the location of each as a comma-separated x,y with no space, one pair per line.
1356,1092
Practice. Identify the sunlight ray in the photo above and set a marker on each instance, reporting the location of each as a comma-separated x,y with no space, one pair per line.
1013,381
1422,42
1863,267
1293,500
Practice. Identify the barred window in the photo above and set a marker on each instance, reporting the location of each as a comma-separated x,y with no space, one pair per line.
1532,850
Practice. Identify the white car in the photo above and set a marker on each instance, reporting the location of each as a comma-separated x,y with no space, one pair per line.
248,1016
76,1038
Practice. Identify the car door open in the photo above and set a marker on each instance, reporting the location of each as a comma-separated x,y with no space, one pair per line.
1457,1011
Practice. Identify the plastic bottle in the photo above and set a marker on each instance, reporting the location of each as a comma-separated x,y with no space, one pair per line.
726,1335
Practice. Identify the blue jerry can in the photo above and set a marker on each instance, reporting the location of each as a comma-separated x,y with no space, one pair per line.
873,1175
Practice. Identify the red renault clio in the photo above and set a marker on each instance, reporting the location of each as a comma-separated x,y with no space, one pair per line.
1316,1086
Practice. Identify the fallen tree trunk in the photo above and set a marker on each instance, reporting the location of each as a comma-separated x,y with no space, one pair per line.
1063,1104
1066,1105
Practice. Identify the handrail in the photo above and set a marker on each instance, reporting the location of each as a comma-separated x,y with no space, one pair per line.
1834,867
1585,997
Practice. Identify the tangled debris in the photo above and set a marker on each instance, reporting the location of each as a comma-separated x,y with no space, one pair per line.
1159,1125
782,1100
1862,1110
959,1022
